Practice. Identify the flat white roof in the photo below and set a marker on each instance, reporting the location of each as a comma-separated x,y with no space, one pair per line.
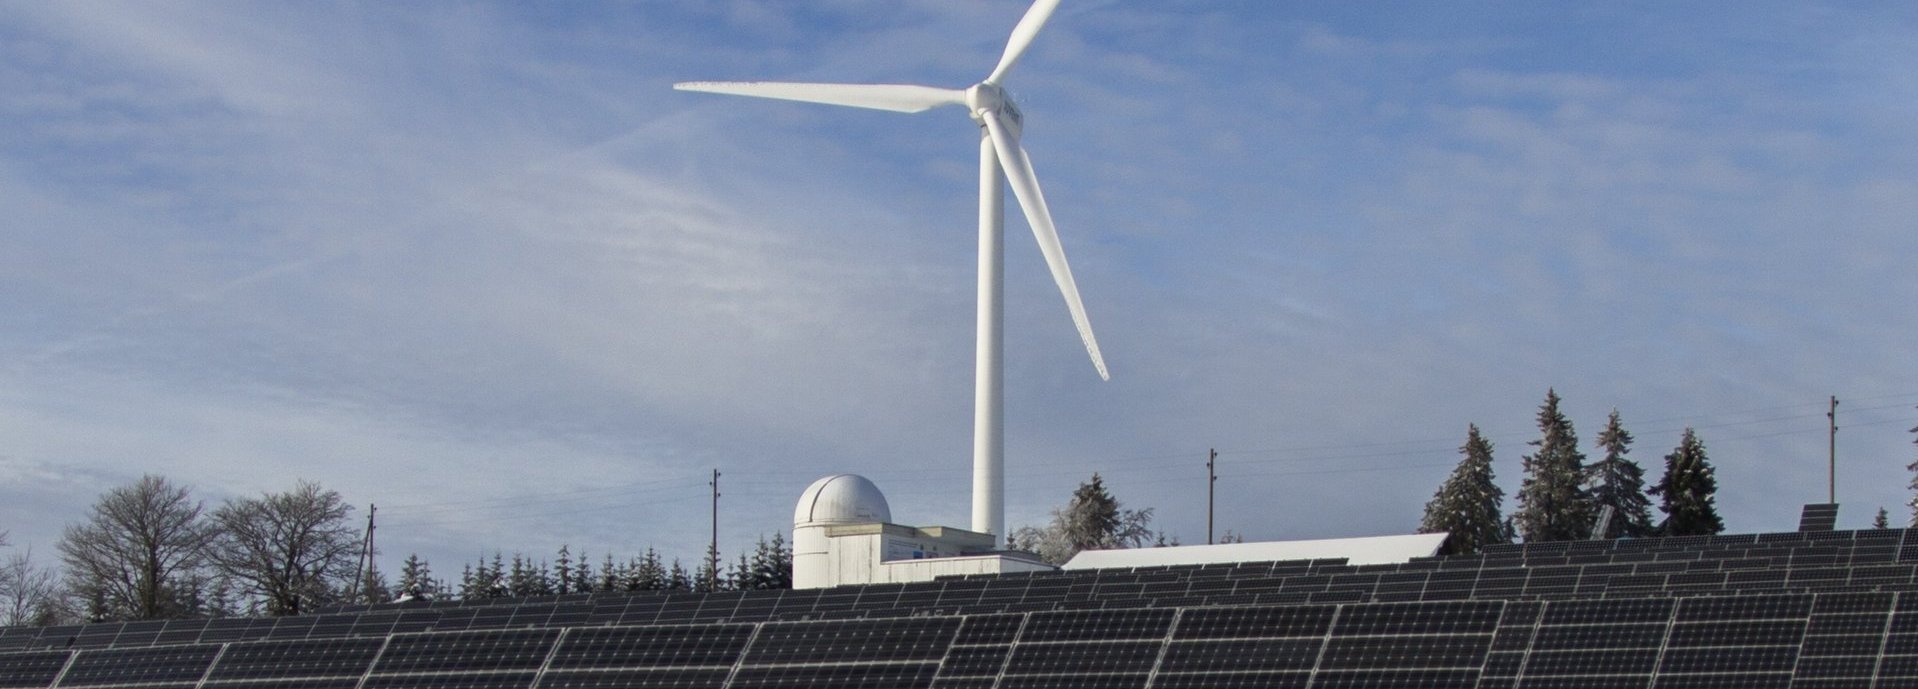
1371,550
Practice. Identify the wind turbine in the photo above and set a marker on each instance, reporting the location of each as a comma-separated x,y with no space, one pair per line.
1001,160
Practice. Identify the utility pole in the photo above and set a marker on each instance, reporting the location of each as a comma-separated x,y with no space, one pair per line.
371,552
361,574
1831,449
712,552
1211,482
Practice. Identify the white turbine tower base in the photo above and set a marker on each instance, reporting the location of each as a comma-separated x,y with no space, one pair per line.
1001,161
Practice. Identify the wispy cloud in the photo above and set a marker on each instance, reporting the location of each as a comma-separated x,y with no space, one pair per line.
480,265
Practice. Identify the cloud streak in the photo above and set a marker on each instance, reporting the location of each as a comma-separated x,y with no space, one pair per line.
481,266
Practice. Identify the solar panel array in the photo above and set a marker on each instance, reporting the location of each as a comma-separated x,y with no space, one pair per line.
1518,616
1818,517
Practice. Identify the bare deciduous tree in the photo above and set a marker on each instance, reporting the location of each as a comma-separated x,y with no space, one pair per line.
139,552
292,550
29,594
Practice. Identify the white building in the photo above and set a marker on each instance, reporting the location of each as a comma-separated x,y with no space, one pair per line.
843,534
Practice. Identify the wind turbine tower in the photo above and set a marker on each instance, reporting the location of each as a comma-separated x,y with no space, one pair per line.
1001,160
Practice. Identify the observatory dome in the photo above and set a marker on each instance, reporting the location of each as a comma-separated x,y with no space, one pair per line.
841,499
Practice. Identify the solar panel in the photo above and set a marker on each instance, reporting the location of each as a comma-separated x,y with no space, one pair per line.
304,658
1100,625
299,683
491,680
974,661
635,679
899,639
467,651
1241,655
31,668
152,665
651,647
1818,517
1082,658
1418,618
1397,679
1678,610
989,629
964,683
1239,680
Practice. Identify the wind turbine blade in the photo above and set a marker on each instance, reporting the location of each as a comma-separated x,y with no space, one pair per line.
893,97
1025,185
1022,36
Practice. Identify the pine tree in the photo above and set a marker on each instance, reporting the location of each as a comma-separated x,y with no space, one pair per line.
519,578
563,571
1092,516
649,574
495,579
1882,520
610,578
739,578
1686,492
469,583
773,564
677,579
375,590
1619,482
770,566
1467,505
416,578
1913,468
583,577
706,579
1552,503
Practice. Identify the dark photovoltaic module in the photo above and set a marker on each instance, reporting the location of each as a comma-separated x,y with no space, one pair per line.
1814,609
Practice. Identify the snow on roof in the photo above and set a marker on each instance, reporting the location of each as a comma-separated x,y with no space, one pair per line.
1369,550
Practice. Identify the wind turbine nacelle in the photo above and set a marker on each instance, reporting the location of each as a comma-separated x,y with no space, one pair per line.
983,98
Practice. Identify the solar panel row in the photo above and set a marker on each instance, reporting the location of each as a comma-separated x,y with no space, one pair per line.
1540,583
1775,640
1833,548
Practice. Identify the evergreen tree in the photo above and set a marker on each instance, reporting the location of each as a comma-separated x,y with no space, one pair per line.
1913,468
1686,492
1882,520
584,580
770,566
650,573
773,564
1468,504
1552,503
563,571
1090,520
678,579
519,579
610,578
495,580
1619,482
416,578
469,583
375,590
740,577
707,578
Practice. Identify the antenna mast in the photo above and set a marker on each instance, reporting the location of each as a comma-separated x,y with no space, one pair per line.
1211,482
1831,450
712,551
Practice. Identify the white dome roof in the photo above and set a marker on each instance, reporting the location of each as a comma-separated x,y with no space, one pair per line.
842,499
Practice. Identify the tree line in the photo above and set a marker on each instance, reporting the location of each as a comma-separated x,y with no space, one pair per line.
149,550
768,567
1562,497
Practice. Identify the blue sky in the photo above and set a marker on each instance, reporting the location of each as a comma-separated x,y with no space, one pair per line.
478,263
